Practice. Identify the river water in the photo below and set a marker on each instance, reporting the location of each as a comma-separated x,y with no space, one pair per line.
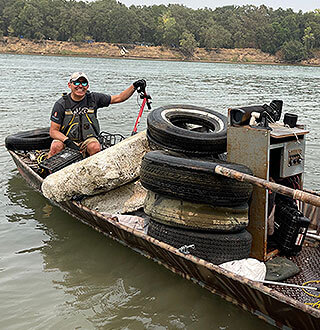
56,273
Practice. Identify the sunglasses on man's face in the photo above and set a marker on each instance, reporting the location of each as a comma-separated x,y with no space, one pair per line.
77,83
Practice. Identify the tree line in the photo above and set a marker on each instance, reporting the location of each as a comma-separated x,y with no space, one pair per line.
293,35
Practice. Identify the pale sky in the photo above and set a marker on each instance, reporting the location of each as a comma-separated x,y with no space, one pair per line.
296,5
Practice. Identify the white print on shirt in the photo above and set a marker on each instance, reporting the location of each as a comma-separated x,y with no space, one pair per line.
80,111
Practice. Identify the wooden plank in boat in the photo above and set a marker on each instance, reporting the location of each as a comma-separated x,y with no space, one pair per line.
280,131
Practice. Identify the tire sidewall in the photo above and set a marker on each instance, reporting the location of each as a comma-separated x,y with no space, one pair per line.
196,216
38,138
163,131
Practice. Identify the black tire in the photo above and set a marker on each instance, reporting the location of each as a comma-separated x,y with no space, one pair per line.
212,247
29,140
169,126
155,145
195,216
193,180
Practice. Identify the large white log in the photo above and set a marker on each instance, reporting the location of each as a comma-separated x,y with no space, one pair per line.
106,170
127,198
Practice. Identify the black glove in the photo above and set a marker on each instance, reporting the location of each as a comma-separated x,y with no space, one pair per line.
140,85
70,144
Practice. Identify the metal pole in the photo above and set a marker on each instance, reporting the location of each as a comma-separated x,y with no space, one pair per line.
317,237
139,116
294,193
291,285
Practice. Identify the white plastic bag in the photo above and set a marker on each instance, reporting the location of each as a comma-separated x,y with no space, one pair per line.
250,268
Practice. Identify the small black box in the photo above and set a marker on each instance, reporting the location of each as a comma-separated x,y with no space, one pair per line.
290,119
60,160
290,229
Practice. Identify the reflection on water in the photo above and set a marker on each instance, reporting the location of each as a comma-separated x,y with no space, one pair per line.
102,284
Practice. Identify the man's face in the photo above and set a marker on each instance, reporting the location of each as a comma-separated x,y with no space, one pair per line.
79,88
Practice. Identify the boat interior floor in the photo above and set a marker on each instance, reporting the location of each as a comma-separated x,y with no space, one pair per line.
308,261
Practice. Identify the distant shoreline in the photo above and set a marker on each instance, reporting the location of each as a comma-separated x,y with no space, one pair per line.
11,45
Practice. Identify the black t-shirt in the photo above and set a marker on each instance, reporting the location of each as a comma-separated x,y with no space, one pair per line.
100,100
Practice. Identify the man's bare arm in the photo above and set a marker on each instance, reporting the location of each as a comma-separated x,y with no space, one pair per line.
123,96
55,132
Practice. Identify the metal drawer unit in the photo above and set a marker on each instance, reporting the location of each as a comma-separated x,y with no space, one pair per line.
276,153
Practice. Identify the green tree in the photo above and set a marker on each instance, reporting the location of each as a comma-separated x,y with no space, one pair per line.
125,28
286,27
214,35
11,12
111,21
293,51
77,21
29,22
188,43
308,39
312,20
197,20
147,23
169,29
266,39
181,14
50,10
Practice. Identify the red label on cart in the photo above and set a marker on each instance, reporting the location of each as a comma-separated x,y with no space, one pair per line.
300,236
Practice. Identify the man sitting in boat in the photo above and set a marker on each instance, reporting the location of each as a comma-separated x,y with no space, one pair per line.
74,122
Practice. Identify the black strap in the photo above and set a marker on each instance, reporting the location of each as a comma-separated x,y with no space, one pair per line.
68,105
67,101
90,100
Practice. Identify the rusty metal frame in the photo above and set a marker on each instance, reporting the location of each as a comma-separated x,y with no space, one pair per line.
250,147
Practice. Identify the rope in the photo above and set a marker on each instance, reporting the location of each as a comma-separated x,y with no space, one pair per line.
287,126
317,303
40,157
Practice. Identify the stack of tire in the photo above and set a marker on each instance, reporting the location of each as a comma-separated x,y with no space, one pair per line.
188,204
